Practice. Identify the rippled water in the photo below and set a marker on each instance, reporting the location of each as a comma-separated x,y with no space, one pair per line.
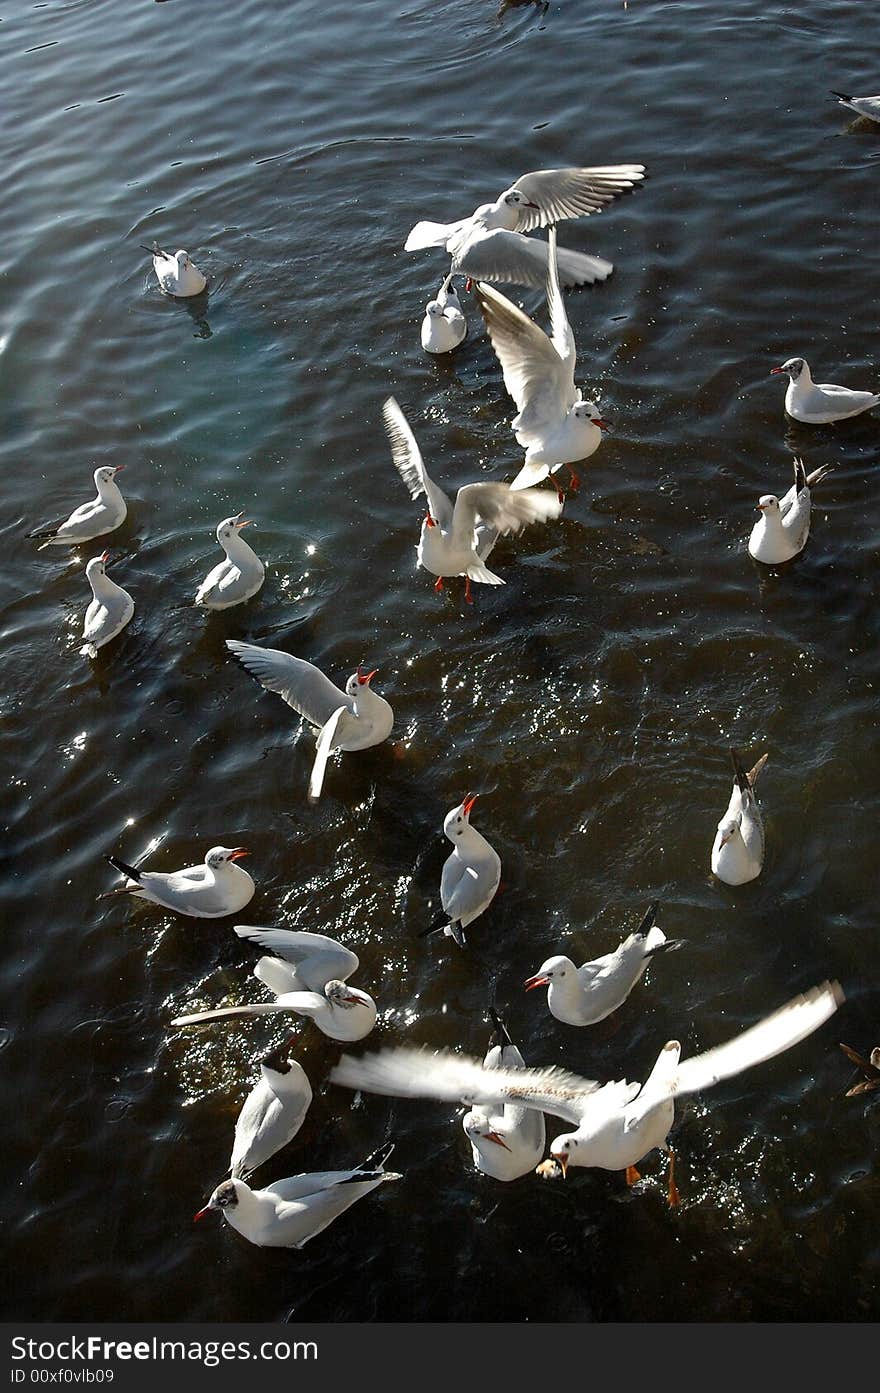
591,701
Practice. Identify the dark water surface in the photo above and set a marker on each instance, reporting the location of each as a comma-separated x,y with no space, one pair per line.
591,701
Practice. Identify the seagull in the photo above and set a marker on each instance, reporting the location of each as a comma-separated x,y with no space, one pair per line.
290,1212
470,877
176,274
490,246
110,610
782,530
870,1068
272,1113
307,975
89,520
240,576
506,1142
616,1124
456,541
818,403
862,106
355,719
210,891
555,424
444,325
586,995
738,851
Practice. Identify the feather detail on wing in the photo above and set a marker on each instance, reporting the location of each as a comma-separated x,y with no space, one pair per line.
408,462
300,684
317,958
539,381
504,509
574,192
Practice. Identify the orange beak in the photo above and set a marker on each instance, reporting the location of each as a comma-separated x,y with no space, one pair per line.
105,556
365,677
562,1162
429,520
493,1136
201,1214
469,801
532,982
238,853
597,421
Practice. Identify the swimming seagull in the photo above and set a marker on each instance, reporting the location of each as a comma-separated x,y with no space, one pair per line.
355,719
239,576
587,994
782,530
89,520
862,106
738,850
290,1212
307,975
456,541
470,877
444,325
176,274
490,245
555,425
506,1142
818,403
272,1113
616,1124
210,891
110,609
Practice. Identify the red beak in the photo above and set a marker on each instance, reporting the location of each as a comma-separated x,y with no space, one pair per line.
117,467
429,520
470,800
493,1136
105,556
201,1214
238,853
597,421
532,982
365,677
773,371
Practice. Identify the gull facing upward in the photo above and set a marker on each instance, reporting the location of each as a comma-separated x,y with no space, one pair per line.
89,520
819,403
210,891
490,246
290,1212
272,1113
862,106
444,326
355,719
471,874
506,1142
176,274
586,995
239,576
554,424
456,541
307,975
616,1124
782,530
110,610
738,850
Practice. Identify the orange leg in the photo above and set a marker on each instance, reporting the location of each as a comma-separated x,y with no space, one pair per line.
632,1175
673,1195
575,479
467,590
438,583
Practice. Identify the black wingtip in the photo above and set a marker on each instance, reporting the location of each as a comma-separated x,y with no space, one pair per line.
648,921
668,946
739,772
436,926
800,475
842,96
376,1159
500,1031
123,867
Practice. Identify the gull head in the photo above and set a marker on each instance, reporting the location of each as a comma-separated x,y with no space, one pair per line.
457,821
182,259
358,680
219,856
96,566
279,1058
224,1197
229,526
588,411
728,828
477,1128
434,309
564,1151
346,998
553,970
793,366
515,199
768,503
106,473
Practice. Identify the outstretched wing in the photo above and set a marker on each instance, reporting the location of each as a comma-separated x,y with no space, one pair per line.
317,958
407,1072
409,464
540,381
301,684
573,192
777,1032
502,508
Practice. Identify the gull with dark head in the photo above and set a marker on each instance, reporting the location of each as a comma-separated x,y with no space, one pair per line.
355,719
490,245
210,891
456,541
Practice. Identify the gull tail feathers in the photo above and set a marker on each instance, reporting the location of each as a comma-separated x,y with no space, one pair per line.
482,573
428,234
322,754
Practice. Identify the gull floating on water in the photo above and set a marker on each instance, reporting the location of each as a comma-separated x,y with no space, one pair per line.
239,576
470,877
738,850
210,891
110,610
272,1113
89,520
782,530
444,325
176,274
617,1124
862,106
307,975
819,403
490,245
355,719
555,425
456,541
290,1212
506,1142
586,995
